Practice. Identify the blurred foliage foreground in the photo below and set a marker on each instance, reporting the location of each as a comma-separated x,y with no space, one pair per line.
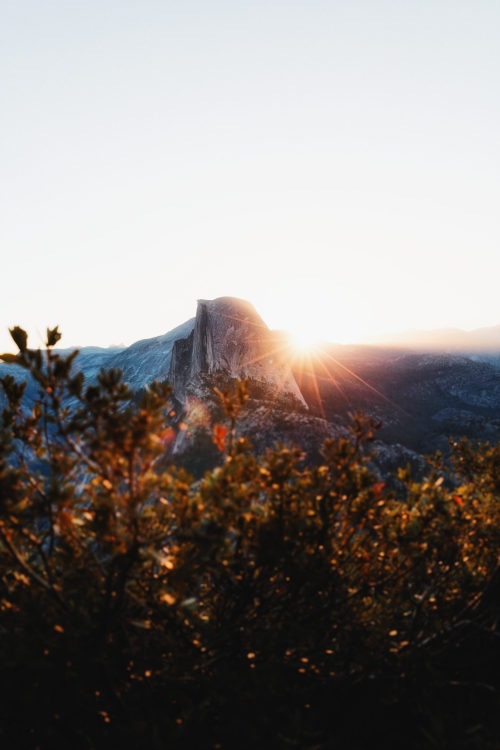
270,604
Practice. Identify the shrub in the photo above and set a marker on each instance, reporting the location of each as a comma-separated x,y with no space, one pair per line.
271,603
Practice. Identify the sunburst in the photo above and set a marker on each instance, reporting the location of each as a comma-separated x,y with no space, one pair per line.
305,354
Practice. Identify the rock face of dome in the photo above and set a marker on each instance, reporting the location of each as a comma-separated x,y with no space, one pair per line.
230,337
421,397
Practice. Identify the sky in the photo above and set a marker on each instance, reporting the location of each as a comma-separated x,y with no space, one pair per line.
336,163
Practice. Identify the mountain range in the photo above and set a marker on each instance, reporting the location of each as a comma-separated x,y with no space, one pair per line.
483,341
421,393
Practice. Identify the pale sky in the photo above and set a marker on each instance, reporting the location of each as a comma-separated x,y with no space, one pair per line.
336,163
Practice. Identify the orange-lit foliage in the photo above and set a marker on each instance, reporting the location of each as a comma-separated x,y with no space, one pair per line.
219,436
264,601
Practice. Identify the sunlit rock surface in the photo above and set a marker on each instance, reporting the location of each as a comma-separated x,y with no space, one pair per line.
422,398
230,337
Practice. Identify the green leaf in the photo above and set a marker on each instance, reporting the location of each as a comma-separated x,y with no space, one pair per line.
11,359
75,384
20,338
53,336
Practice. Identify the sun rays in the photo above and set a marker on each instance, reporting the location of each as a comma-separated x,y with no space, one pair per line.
309,362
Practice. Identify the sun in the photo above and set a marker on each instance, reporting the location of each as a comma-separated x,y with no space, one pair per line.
303,341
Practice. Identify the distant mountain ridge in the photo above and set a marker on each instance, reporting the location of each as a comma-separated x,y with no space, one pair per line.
421,394
485,340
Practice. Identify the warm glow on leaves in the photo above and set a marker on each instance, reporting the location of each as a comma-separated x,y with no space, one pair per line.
263,560
219,435
168,598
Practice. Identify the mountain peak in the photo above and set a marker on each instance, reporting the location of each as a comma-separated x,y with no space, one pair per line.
230,337
235,307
